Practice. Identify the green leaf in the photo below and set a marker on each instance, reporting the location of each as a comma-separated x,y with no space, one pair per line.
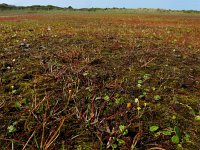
114,146
140,81
119,101
17,105
25,101
157,134
153,128
173,117
97,98
123,129
157,97
146,76
164,132
197,118
11,129
14,123
139,85
193,112
14,91
177,131
175,139
187,137
106,98
153,88
121,142
125,132
144,93
141,96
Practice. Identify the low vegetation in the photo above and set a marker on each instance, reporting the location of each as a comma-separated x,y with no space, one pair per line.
100,81
66,9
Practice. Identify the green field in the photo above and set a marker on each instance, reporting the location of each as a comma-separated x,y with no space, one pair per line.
119,79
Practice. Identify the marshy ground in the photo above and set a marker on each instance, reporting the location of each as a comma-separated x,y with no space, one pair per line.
100,81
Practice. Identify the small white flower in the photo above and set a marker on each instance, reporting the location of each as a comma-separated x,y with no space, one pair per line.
136,100
49,28
139,85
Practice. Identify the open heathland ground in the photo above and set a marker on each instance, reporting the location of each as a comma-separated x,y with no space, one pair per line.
100,81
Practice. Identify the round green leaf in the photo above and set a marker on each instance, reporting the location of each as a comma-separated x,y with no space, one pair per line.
175,139
17,105
153,128
106,98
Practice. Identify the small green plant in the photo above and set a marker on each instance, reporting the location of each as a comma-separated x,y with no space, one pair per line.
13,90
17,105
146,76
119,100
157,97
117,142
187,137
140,110
174,133
141,85
12,128
123,129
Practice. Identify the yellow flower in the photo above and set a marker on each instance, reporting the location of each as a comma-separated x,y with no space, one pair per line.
70,94
138,108
129,105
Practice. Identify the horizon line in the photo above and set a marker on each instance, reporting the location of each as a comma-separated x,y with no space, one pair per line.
102,7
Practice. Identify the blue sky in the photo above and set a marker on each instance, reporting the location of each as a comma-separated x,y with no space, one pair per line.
166,4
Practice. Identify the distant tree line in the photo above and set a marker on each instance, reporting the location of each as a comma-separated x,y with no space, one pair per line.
34,7
51,7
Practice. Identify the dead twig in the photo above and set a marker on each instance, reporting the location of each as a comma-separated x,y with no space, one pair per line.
144,65
156,148
2,103
136,139
54,135
29,139
45,98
